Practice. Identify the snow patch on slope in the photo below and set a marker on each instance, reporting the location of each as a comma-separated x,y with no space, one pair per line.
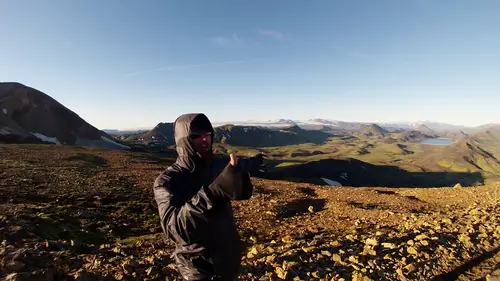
115,143
331,182
103,142
4,132
45,138
5,111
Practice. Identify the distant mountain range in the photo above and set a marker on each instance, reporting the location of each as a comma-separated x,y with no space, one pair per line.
28,115
318,123
252,136
260,137
373,130
163,132
427,127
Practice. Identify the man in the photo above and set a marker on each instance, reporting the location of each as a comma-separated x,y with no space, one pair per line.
194,202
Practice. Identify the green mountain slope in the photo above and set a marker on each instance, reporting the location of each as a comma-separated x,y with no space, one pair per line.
469,155
252,136
163,132
373,130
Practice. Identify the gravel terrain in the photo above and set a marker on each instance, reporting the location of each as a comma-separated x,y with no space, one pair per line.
74,213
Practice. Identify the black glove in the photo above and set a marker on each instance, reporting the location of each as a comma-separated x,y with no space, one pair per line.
262,167
260,158
233,184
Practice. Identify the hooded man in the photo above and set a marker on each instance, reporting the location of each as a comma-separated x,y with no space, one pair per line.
194,202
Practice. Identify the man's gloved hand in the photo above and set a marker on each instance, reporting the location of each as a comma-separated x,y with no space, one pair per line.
260,158
233,183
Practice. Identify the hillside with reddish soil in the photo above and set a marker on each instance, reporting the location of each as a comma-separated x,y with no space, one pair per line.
27,114
76,213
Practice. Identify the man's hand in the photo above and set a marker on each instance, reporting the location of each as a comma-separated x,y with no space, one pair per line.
260,156
233,182
234,160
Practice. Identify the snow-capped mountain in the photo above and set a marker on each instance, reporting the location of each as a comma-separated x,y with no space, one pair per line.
259,123
318,123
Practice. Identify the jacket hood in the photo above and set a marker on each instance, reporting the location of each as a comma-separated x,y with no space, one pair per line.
184,126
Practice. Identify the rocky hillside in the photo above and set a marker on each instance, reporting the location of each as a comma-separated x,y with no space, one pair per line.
11,132
426,130
248,136
163,132
489,138
373,130
26,113
412,135
472,155
353,172
89,214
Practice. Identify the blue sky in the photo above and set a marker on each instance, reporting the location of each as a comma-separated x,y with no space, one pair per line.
128,64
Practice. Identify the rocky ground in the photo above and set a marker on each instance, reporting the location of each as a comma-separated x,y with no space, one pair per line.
71,213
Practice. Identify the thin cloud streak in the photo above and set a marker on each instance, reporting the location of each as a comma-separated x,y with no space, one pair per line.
224,41
233,41
187,66
273,33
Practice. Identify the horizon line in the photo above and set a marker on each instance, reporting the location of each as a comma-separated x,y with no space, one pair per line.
264,121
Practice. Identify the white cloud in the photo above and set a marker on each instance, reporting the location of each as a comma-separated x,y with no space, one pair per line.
239,41
231,41
273,33
234,41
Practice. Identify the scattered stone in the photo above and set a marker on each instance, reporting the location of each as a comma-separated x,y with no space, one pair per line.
371,242
402,277
446,221
253,253
411,267
358,276
337,243
358,241
389,245
336,258
150,270
412,250
494,276
421,237
326,253
282,274
353,259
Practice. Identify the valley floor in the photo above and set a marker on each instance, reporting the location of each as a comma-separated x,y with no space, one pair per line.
74,213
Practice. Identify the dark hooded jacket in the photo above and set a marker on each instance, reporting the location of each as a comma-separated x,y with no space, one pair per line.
194,203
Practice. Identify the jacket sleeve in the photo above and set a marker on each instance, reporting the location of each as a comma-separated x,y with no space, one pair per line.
184,220
185,223
181,218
